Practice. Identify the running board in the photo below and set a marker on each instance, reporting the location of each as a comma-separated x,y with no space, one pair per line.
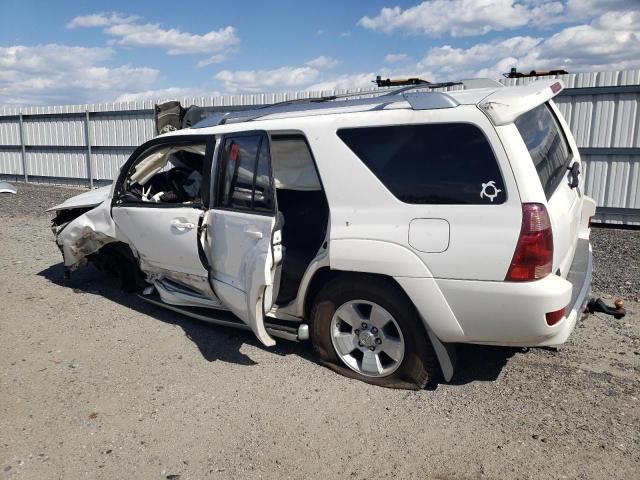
227,319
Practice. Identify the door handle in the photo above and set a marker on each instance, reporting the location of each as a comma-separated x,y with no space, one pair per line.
253,234
182,225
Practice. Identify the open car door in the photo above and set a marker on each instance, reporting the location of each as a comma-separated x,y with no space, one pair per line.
241,233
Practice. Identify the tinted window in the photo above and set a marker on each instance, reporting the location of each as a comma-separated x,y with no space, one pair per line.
430,164
262,199
547,146
246,176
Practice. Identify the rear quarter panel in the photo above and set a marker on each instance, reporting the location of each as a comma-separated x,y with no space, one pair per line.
482,237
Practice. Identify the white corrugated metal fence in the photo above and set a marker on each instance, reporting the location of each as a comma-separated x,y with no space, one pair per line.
86,144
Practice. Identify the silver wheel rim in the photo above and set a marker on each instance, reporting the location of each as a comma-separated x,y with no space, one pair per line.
367,338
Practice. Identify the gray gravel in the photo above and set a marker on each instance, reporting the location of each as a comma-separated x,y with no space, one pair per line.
95,383
616,269
33,199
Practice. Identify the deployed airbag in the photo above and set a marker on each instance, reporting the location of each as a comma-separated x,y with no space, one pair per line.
157,160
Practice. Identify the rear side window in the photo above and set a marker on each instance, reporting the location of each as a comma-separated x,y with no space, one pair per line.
430,164
547,146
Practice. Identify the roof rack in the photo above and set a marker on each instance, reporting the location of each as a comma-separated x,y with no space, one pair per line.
514,73
379,99
387,82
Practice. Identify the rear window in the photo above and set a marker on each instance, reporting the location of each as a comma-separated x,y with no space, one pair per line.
430,164
547,146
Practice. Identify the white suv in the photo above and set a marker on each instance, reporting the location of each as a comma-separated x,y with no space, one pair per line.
385,229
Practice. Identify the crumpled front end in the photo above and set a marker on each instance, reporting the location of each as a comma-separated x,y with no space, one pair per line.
82,231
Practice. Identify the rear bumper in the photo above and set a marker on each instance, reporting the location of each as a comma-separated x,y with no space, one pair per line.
513,314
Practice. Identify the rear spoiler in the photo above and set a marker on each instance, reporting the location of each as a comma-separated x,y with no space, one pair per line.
506,104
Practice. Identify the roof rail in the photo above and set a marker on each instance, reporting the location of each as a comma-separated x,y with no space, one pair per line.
396,91
380,97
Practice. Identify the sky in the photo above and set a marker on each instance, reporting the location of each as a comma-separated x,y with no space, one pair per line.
75,52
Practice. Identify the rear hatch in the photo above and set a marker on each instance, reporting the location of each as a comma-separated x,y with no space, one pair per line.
558,170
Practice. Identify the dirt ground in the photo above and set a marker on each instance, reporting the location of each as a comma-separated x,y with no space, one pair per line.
95,383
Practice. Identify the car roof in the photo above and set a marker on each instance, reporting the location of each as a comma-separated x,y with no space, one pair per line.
479,92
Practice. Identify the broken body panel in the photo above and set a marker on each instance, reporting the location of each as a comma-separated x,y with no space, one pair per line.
7,188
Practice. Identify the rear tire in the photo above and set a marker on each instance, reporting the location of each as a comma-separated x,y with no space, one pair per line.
365,327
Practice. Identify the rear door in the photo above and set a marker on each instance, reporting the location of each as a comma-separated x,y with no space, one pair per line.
241,236
559,170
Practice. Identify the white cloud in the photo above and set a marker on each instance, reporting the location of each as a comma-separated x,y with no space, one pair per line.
609,42
218,58
396,58
344,82
323,62
61,74
127,32
344,34
578,9
103,19
44,58
447,60
279,79
170,93
463,17
172,40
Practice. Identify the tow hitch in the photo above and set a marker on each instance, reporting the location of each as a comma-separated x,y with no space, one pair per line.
598,305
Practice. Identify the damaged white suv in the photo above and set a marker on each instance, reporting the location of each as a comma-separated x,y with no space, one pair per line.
383,229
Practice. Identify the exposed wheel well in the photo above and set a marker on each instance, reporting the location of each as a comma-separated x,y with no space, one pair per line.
118,259
325,275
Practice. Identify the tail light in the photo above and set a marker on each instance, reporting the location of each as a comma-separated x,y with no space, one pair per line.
533,257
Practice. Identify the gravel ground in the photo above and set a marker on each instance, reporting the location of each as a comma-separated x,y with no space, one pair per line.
95,383
616,268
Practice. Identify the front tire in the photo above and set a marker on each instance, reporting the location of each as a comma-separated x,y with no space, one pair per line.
365,327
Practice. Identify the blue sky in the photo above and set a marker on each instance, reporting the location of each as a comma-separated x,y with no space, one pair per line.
77,52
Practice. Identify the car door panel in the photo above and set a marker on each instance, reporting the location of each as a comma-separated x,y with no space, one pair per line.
241,244
165,238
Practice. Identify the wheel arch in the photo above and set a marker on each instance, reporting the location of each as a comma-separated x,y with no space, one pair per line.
422,293
437,317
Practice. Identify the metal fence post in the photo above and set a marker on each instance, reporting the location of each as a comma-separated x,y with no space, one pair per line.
23,151
87,137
